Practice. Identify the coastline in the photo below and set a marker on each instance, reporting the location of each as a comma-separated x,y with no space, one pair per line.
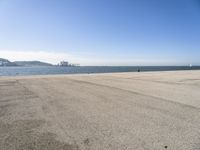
41,70
128,110
95,74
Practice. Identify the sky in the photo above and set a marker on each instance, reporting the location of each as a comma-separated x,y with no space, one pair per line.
101,32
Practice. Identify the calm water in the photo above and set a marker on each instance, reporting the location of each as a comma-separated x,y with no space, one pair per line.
16,71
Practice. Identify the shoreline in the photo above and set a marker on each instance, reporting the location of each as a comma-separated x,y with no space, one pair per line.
103,73
24,71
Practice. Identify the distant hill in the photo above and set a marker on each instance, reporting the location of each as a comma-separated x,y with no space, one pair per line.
32,63
6,62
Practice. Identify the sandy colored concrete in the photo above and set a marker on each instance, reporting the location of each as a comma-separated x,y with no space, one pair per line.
121,111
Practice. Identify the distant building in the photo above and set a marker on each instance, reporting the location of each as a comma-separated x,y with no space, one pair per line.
67,64
64,63
3,62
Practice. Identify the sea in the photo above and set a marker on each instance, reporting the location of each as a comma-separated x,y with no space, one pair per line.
23,71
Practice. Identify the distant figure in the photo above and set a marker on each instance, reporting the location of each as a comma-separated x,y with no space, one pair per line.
138,70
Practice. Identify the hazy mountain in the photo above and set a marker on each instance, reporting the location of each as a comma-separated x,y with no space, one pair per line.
5,62
32,63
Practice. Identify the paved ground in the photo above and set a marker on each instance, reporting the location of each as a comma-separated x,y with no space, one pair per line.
133,111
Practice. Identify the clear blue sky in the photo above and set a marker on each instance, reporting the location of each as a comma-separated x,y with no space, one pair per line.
102,32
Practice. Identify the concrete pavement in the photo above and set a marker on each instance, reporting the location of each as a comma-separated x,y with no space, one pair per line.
114,111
